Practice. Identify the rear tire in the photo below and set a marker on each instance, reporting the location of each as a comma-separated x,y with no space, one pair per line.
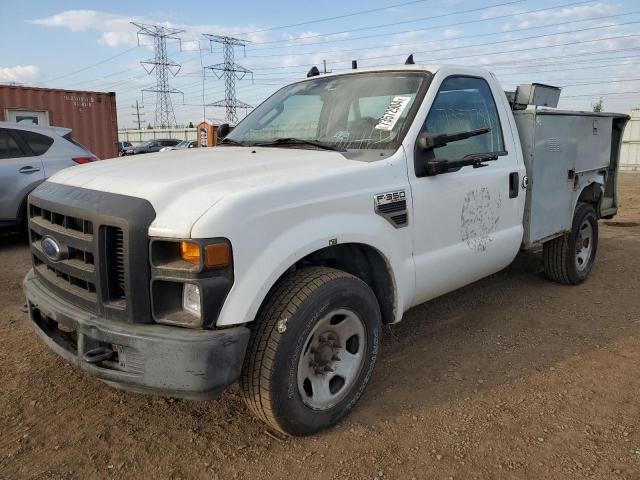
312,350
568,259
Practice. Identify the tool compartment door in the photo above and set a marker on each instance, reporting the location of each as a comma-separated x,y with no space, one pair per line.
557,146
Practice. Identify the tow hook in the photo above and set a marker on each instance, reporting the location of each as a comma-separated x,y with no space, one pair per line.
97,355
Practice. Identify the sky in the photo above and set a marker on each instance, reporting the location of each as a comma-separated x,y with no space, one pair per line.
589,48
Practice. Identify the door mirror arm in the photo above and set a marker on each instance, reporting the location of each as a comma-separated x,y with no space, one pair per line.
425,163
434,167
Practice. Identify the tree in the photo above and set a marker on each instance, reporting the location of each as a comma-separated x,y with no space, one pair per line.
149,127
191,125
598,106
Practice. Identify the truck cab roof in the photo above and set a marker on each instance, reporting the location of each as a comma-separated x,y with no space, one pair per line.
430,68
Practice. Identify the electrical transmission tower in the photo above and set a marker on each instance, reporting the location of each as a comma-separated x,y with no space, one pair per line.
231,72
163,66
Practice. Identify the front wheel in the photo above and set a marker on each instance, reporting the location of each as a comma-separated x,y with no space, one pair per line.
312,350
569,259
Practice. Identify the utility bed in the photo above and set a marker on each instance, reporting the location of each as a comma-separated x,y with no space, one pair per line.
565,151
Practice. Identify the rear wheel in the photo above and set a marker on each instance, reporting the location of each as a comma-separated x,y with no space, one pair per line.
312,350
569,259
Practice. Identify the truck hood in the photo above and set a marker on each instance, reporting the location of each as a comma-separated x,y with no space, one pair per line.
182,185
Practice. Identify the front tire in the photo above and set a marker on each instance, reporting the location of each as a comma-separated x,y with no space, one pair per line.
312,350
568,259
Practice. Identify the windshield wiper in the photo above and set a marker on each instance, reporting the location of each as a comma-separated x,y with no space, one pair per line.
298,141
231,141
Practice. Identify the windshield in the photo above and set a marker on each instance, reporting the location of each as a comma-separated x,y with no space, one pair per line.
183,144
368,111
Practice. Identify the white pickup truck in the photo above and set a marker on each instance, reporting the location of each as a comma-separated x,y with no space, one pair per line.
335,206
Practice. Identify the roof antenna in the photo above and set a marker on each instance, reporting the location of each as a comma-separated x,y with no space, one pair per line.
313,72
409,60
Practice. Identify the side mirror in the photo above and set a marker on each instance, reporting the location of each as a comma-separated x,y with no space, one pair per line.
223,131
423,154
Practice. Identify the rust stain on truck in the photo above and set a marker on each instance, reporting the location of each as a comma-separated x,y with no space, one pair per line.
479,218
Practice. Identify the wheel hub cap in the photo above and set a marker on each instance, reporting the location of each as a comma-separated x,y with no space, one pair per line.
584,245
332,359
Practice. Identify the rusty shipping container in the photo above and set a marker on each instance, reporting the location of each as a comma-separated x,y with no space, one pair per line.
91,115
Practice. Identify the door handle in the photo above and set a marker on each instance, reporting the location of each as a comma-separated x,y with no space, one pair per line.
29,169
514,184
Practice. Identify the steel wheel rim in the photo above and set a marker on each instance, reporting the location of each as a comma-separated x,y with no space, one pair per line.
332,359
584,245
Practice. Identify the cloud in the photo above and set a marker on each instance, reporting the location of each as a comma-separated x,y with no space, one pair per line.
451,32
19,74
580,12
115,30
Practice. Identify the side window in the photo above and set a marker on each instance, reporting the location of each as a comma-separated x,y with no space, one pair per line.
37,142
69,138
463,104
8,146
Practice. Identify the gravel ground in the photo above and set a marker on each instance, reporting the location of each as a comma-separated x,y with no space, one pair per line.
511,377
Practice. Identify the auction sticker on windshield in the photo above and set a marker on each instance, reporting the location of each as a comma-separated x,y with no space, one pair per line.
390,117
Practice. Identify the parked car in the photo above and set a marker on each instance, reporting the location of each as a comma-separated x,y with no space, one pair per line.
29,154
151,146
122,146
336,205
182,145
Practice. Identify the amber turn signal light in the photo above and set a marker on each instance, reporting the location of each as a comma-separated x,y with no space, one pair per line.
190,252
217,255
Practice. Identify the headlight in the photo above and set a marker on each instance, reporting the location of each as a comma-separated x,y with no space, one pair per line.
191,299
190,280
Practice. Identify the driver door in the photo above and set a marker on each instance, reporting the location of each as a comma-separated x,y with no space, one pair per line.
466,226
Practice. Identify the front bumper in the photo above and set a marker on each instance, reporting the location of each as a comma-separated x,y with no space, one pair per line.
145,358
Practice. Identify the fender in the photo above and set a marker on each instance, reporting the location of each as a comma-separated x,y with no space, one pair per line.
585,180
257,270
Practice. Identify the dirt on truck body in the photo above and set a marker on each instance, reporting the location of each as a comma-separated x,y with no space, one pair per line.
510,377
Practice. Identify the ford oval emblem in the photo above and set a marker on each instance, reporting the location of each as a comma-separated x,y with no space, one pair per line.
51,248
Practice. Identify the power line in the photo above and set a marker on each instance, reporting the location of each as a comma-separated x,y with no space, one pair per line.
411,31
92,65
514,40
399,54
384,25
337,17
602,94
437,40
527,63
